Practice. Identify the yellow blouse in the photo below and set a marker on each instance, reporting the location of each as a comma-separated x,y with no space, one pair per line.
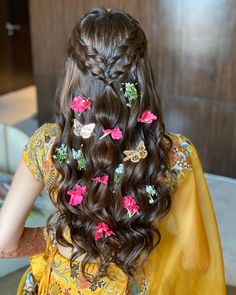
188,260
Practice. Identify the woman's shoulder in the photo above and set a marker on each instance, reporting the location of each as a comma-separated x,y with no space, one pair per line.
37,151
49,131
180,156
44,136
181,143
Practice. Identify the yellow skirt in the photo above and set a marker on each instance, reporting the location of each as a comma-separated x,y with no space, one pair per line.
50,273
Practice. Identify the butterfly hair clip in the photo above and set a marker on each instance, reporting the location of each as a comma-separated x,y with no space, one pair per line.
83,130
135,155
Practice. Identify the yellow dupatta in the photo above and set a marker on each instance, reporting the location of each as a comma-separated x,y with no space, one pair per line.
188,260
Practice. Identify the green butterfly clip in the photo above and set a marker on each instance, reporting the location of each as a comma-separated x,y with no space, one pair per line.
130,92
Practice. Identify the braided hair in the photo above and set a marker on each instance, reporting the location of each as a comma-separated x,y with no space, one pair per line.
106,50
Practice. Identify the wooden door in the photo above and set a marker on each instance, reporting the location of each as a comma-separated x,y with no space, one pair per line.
15,46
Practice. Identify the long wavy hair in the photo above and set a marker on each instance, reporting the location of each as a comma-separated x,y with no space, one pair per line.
106,50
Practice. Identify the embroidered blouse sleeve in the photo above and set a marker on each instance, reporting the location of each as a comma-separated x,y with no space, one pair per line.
33,153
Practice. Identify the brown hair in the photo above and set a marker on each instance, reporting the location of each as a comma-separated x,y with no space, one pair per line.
106,50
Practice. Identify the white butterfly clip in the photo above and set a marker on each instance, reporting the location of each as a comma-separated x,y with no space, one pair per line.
83,130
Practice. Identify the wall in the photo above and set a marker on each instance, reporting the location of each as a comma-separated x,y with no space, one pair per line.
192,51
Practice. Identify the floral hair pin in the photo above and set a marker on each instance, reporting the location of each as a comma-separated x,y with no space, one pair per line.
116,133
151,191
79,104
83,130
77,195
147,117
130,92
79,157
131,206
103,179
61,154
135,155
118,173
102,228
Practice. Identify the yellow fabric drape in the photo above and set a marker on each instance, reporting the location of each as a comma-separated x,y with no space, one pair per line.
188,260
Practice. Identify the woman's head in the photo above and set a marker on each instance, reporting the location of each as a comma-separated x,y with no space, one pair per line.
107,57
105,49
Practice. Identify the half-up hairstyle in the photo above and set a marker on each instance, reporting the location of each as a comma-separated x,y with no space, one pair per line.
106,50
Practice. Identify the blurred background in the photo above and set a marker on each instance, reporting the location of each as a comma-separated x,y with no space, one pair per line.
193,56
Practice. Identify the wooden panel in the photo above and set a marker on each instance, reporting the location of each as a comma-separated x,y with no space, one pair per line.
208,124
192,51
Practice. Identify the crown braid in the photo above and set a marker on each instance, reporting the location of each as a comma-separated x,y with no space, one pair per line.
108,70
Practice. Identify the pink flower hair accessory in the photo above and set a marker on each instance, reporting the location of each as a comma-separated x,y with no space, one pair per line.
77,195
147,117
79,104
130,204
103,179
116,133
102,228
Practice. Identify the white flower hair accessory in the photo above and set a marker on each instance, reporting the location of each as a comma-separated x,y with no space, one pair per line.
151,191
118,173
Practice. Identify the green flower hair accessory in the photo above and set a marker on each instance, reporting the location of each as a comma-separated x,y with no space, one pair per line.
118,173
61,154
151,192
79,157
130,92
